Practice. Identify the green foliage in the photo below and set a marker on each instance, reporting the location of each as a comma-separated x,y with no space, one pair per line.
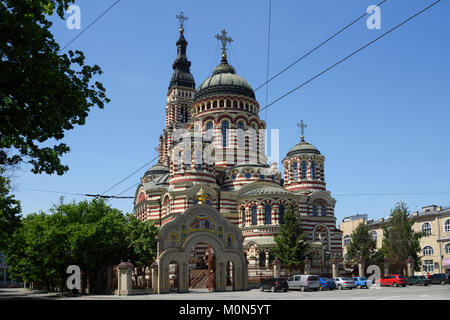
91,235
292,247
43,93
399,239
9,211
362,245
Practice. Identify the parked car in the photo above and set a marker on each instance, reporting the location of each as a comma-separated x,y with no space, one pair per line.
304,282
274,284
418,280
362,282
440,278
393,280
327,284
344,283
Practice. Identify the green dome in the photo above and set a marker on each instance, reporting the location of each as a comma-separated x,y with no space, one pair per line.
157,169
224,80
302,148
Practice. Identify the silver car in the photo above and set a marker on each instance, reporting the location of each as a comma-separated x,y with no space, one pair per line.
304,282
344,283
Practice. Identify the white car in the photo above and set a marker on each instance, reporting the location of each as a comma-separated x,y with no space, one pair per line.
342,283
304,282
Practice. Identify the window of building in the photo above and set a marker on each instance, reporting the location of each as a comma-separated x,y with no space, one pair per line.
374,235
447,248
248,175
315,210
225,128
428,266
323,211
209,130
346,240
262,177
281,214
447,226
243,216
426,229
313,170
427,251
254,215
240,134
268,214
295,171
304,168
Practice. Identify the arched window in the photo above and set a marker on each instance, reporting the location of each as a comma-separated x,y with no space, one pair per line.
268,214
240,134
374,235
426,229
243,216
447,248
304,168
254,216
447,226
225,128
281,214
209,130
315,210
323,211
346,240
295,171
247,175
198,160
180,160
313,170
187,159
427,251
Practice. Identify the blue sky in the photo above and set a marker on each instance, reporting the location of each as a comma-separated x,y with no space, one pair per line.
380,118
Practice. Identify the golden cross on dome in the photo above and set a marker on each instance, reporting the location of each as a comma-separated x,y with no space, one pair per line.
224,39
302,128
182,18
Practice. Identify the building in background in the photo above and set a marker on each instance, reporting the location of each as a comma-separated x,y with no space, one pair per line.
432,221
5,277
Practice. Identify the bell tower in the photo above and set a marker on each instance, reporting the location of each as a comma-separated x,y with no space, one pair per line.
180,95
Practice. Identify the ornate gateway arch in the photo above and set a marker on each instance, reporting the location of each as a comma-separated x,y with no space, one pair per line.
199,224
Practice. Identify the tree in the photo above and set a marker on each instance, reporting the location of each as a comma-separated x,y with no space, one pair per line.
91,235
43,93
399,240
362,245
292,248
142,243
9,212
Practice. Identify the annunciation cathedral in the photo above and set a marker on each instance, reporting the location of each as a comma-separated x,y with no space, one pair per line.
213,145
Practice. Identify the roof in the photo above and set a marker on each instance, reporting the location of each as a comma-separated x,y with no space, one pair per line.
301,148
157,169
224,80
265,190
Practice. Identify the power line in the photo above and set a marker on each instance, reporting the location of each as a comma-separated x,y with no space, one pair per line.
117,196
92,23
131,174
72,193
350,55
315,48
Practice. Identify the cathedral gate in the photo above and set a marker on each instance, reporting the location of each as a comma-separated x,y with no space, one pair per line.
200,223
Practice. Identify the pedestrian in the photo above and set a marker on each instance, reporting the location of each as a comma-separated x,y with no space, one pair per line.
428,274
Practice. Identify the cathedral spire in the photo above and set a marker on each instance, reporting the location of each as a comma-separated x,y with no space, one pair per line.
182,74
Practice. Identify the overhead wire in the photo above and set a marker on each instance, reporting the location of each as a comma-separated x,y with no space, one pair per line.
315,48
350,55
90,24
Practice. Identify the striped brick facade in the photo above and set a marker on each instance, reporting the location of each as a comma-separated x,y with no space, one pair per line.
235,174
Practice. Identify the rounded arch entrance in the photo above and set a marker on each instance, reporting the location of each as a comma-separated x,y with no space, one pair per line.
200,224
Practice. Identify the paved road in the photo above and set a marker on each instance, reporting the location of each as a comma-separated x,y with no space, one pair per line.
433,292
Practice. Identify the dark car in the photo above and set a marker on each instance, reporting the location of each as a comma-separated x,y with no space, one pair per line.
274,284
440,278
418,281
